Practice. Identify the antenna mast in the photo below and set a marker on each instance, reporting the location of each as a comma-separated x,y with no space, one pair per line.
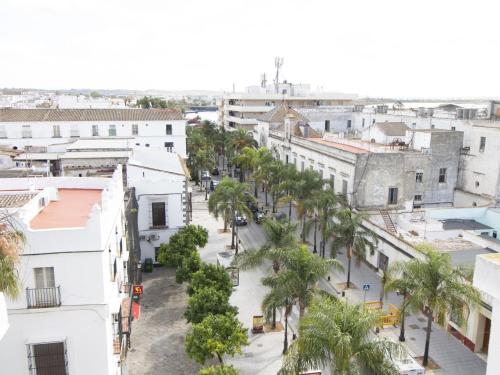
278,63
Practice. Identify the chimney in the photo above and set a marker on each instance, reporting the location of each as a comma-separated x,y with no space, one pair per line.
306,130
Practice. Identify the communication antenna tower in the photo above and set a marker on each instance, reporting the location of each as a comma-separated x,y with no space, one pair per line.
278,63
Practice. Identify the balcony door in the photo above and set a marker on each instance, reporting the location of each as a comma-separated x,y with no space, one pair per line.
45,286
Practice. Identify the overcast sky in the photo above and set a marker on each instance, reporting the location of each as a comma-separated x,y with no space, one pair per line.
439,48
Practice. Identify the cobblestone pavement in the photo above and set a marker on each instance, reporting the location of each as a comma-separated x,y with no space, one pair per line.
158,336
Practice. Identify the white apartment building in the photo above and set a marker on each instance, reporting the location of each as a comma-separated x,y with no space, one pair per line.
72,316
160,180
160,128
241,110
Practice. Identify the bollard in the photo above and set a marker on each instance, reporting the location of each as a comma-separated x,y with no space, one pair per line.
294,336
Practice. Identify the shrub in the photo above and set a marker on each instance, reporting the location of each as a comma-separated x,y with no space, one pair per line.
211,275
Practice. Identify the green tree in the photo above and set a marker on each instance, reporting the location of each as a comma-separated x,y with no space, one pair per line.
439,288
263,169
219,370
204,159
300,274
189,265
211,276
337,335
11,242
215,336
208,301
241,138
148,102
95,94
182,244
350,233
280,234
229,198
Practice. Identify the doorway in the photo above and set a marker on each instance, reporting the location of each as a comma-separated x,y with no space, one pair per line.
486,336
383,261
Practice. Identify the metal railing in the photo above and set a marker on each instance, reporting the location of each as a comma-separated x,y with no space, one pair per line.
43,297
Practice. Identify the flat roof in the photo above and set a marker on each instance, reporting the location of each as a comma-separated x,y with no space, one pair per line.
71,210
102,144
158,159
94,154
467,257
340,146
466,224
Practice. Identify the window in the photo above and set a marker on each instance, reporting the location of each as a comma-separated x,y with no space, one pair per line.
26,131
169,146
482,144
349,122
95,130
344,187
327,125
393,196
332,182
158,211
44,277
442,175
168,129
320,173
48,359
419,176
302,166
433,126
147,145
453,128
74,131
286,159
56,131
3,132
112,131
418,197
135,129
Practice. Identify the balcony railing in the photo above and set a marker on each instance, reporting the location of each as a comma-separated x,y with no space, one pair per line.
43,297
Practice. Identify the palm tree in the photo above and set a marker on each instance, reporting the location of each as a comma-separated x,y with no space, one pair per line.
11,242
248,160
227,199
275,182
308,183
337,335
204,159
350,233
263,169
241,138
300,274
280,234
439,288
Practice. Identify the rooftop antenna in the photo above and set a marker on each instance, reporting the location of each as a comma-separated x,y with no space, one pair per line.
278,63
263,80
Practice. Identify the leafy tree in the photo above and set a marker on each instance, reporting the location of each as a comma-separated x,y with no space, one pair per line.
148,102
337,335
439,288
241,138
211,276
219,370
11,242
280,234
208,301
95,94
300,274
182,244
190,264
350,233
229,198
196,234
215,336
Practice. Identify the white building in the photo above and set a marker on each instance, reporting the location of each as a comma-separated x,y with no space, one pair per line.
487,280
160,180
160,128
73,314
4,319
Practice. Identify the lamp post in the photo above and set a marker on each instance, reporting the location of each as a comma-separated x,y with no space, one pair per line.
285,343
315,221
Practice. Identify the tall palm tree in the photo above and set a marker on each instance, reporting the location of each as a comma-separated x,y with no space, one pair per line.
277,176
248,160
308,183
11,242
300,274
241,138
337,335
280,234
350,233
439,288
263,169
227,199
204,159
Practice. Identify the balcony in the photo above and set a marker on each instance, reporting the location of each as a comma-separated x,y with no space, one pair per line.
39,298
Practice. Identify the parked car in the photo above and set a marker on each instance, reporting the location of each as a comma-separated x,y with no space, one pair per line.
241,220
215,172
258,216
205,175
280,216
214,184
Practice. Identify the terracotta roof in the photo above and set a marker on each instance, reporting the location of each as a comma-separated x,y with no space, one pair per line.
392,128
71,210
34,115
15,200
341,146
278,114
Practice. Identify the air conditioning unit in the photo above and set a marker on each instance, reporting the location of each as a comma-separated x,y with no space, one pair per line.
154,237
142,237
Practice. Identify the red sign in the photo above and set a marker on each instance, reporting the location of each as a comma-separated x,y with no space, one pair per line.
137,290
136,310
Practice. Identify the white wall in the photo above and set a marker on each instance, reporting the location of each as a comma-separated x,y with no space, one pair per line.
157,186
4,319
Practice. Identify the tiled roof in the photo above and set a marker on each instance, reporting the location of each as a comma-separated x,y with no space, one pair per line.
15,200
279,113
34,115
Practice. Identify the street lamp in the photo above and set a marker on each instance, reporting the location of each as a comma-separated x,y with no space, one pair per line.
315,221
285,343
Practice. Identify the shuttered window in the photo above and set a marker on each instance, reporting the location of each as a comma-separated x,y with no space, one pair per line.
158,214
44,277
